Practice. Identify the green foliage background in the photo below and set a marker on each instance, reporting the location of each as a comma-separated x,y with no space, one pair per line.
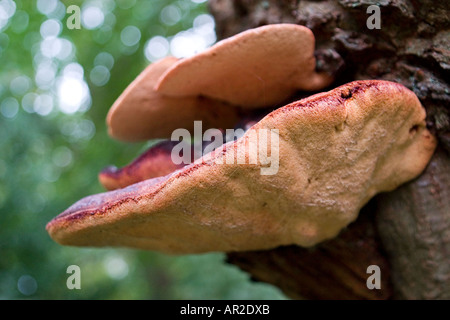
49,159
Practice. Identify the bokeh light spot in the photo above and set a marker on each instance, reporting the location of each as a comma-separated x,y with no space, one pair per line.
27,285
9,107
62,156
51,47
103,35
99,75
47,6
130,36
50,28
66,50
186,44
104,59
45,74
20,21
28,102
73,70
20,85
73,92
156,48
116,267
92,17
43,104
7,9
170,15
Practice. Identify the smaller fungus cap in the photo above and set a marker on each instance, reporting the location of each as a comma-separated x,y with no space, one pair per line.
256,68
155,162
141,113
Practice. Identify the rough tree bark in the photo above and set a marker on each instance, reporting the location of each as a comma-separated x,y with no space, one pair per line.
405,232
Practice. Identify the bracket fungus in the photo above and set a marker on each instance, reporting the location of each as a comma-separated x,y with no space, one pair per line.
256,68
142,113
336,150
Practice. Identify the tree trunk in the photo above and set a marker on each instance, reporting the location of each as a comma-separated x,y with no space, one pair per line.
406,233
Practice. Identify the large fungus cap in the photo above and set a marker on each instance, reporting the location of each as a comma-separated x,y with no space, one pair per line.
256,68
336,150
